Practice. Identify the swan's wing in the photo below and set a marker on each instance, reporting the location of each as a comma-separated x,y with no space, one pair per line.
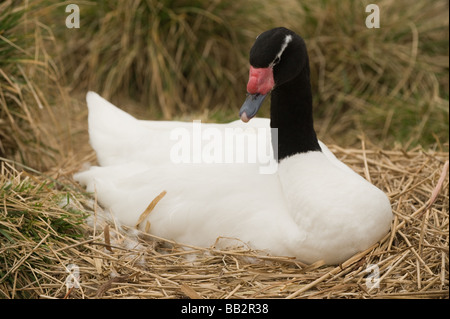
332,158
118,137
202,202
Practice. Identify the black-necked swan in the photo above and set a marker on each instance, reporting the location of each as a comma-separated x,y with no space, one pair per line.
309,205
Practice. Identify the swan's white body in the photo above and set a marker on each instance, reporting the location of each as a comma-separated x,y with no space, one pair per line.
313,208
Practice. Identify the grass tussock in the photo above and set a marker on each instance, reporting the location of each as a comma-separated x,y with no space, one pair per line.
37,217
44,240
179,57
391,82
33,101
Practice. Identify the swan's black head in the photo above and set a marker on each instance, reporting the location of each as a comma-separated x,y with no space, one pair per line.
277,56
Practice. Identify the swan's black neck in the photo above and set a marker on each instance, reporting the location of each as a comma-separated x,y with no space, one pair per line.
291,113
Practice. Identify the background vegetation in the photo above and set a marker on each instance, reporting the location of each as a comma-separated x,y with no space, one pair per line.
185,59
178,57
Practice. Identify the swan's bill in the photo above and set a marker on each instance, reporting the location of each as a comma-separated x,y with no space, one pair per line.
251,106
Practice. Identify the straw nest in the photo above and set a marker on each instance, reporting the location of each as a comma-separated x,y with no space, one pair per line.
56,242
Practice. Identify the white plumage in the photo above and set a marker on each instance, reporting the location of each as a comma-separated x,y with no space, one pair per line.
313,208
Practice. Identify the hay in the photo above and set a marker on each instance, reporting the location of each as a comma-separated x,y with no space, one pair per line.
110,261
55,241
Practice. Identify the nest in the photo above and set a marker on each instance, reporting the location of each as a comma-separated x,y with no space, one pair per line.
90,256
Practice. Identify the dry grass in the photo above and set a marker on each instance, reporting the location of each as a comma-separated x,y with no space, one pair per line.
34,103
182,57
48,223
179,57
116,262
391,81
175,56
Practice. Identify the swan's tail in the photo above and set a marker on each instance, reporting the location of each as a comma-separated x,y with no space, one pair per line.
110,129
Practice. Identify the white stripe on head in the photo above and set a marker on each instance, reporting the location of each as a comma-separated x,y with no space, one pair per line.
277,58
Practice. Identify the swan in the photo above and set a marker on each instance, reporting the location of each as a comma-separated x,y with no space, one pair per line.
293,198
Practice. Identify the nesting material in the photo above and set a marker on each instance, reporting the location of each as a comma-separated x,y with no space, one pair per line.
411,261
149,209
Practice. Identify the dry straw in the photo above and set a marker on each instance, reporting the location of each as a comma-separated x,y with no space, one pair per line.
411,261
56,242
